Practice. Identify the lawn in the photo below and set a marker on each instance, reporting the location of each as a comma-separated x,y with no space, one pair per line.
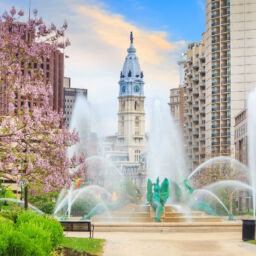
89,245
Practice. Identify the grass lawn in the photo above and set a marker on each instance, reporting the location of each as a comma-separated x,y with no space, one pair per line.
89,245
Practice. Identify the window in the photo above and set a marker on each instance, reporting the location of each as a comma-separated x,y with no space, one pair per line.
137,122
137,155
136,105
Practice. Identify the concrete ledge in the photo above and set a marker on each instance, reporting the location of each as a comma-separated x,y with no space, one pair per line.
169,227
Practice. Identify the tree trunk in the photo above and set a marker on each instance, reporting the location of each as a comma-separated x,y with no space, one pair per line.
26,197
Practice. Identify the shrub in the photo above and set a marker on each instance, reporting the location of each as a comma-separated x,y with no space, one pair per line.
44,202
6,226
48,224
40,243
30,234
18,244
11,215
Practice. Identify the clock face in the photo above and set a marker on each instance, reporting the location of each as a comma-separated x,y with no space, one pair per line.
123,89
136,88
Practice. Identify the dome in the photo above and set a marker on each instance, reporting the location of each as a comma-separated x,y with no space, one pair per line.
131,68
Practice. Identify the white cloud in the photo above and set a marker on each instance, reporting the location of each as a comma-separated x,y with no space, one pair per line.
99,40
201,4
99,43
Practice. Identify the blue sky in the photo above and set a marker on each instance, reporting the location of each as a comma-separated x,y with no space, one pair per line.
184,20
99,34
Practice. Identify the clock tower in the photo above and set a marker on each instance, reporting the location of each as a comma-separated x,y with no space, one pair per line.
131,115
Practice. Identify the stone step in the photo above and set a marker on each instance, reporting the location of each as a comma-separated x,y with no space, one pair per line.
142,208
177,214
136,208
207,227
122,219
169,208
192,219
130,214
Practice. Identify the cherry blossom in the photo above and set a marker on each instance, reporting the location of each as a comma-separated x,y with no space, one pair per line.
33,141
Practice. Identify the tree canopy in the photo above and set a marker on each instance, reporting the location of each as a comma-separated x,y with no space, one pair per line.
33,140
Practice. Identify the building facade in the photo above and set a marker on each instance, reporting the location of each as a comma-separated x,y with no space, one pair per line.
244,198
70,95
126,148
177,99
131,115
230,65
175,104
194,103
53,73
241,145
181,65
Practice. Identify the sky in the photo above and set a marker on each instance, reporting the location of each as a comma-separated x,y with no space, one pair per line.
99,34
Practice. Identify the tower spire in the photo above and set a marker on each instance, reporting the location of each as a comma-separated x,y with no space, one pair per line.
29,9
131,38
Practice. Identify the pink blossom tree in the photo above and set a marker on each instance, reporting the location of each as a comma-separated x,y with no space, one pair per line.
33,141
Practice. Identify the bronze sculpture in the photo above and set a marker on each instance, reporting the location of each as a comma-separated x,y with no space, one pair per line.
158,196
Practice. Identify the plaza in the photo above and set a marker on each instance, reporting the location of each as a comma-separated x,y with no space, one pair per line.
201,243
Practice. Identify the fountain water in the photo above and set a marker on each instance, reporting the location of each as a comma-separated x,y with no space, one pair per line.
164,159
87,197
205,192
103,178
252,143
224,160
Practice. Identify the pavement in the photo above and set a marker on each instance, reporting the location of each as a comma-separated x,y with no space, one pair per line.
173,243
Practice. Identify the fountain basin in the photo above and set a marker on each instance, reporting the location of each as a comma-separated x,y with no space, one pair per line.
146,214
169,227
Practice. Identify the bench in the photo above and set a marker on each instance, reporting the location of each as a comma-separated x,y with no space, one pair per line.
78,226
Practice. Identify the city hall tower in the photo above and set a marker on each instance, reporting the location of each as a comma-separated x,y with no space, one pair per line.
131,115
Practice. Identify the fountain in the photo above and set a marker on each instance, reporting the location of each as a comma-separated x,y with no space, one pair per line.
165,156
103,180
252,144
192,196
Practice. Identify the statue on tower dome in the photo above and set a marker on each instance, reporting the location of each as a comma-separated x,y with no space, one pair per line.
131,37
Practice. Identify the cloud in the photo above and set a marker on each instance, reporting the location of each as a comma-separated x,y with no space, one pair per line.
99,40
201,4
99,43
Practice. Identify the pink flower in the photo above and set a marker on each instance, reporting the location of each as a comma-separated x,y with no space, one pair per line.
21,13
5,15
34,140
13,11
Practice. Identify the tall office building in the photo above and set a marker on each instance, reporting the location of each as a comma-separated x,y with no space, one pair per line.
181,64
53,73
230,69
194,103
70,95
177,99
175,104
241,137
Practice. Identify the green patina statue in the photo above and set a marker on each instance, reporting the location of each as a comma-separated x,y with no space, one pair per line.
199,204
187,186
157,196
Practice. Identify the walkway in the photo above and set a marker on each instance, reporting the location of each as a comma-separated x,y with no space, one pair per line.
174,244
